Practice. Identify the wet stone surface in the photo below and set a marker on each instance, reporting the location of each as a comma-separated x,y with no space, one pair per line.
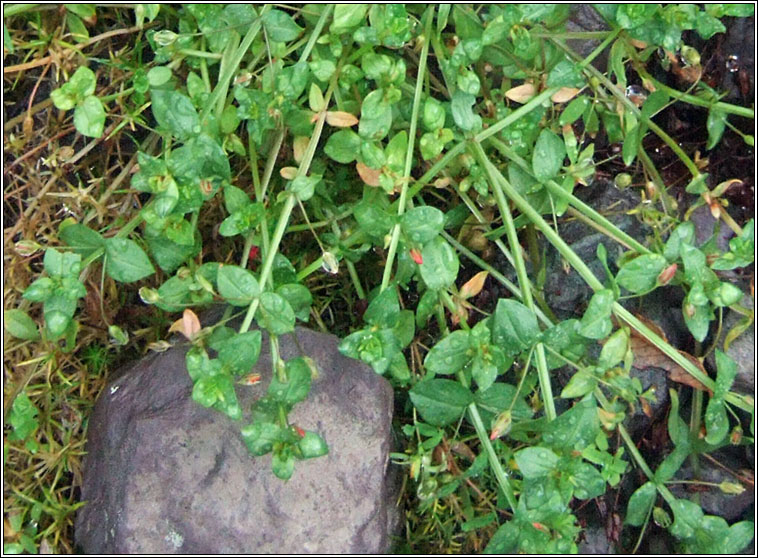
165,475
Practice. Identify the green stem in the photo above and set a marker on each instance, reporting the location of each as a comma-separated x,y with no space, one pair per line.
499,277
524,283
555,189
497,467
409,153
600,48
694,99
219,92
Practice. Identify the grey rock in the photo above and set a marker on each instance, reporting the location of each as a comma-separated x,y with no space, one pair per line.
742,350
638,422
596,542
583,17
706,226
565,291
165,475
731,507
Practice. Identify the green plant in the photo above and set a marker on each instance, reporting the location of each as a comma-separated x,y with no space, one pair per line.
500,118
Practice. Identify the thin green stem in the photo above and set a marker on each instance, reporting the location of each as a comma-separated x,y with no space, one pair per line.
409,153
497,467
600,48
526,287
219,92
555,189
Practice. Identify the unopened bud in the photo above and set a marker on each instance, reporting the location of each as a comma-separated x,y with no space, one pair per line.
690,56
165,37
661,518
667,274
736,436
731,488
148,295
416,255
27,247
329,263
502,425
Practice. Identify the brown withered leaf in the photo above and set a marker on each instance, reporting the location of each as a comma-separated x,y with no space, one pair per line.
564,94
521,93
340,119
299,146
473,286
188,325
288,173
648,355
368,175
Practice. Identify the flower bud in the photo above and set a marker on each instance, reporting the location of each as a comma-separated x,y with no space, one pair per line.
667,274
148,295
502,425
731,487
27,247
165,37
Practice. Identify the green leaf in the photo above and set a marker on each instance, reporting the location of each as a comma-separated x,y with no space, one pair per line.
547,159
740,535
596,322
313,445
588,482
343,146
687,518
463,113
275,314
40,290
433,115
707,26
515,327
58,311
83,82
348,16
260,437
62,264
440,401
576,428
383,310
89,117
422,224
175,113
83,240
283,463
697,319
449,355
640,504
240,351
681,235
716,421
376,348
20,325
580,384
280,26
440,264
565,74
297,386
299,298
631,145
640,274
573,110
23,417
535,462
304,186
715,124
234,198
126,261
499,397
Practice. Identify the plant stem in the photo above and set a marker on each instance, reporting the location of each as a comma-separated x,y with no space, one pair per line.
524,283
555,189
225,77
497,467
409,153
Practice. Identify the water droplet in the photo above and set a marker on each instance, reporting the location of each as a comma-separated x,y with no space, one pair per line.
732,63
636,94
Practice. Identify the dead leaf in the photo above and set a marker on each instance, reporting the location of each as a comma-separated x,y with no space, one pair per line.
340,119
299,146
473,286
288,173
368,175
564,94
521,93
637,43
250,379
188,325
648,355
